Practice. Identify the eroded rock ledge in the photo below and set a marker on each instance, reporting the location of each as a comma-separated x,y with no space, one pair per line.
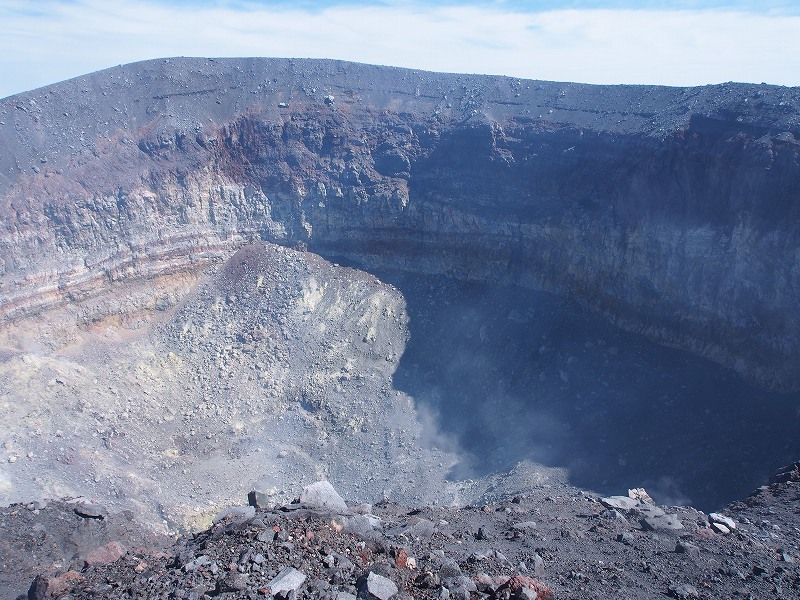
673,211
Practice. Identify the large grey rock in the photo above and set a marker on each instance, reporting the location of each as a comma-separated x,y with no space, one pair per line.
322,495
378,586
620,503
288,580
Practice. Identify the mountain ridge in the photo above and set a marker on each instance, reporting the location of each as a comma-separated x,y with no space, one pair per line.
614,196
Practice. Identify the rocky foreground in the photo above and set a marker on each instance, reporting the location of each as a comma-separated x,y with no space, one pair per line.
551,543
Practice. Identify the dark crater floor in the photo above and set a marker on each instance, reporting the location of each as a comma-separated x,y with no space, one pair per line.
507,374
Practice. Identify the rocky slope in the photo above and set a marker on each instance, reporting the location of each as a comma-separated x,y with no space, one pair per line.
549,543
671,211
178,396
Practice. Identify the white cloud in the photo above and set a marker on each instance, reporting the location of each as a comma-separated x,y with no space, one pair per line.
65,39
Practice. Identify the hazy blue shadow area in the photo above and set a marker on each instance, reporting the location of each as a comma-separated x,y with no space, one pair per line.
513,374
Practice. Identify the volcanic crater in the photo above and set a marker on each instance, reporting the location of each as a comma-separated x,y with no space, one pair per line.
229,275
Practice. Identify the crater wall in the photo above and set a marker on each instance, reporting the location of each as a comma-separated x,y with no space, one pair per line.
674,212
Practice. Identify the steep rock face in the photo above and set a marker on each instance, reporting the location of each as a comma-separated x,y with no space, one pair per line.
672,211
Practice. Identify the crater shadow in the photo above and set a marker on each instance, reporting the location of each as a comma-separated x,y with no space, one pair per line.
513,374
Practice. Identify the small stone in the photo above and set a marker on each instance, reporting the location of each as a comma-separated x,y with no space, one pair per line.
232,582
640,494
401,558
259,500
729,523
449,568
45,586
461,587
105,555
538,565
484,583
322,495
360,525
620,503
379,586
720,528
624,538
428,580
527,594
518,582
362,509
481,555
683,591
421,528
266,535
288,580
90,511
195,564
612,515
524,525
235,514
687,548
655,519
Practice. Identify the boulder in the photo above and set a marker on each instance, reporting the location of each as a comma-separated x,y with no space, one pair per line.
376,586
322,495
288,580
620,503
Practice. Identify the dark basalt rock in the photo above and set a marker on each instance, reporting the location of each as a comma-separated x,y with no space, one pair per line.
673,211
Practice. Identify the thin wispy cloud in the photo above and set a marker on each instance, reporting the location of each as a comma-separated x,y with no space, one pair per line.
684,45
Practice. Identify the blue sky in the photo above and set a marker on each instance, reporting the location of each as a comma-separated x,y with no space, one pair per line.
672,42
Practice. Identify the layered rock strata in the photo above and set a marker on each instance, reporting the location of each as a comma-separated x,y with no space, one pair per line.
673,211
